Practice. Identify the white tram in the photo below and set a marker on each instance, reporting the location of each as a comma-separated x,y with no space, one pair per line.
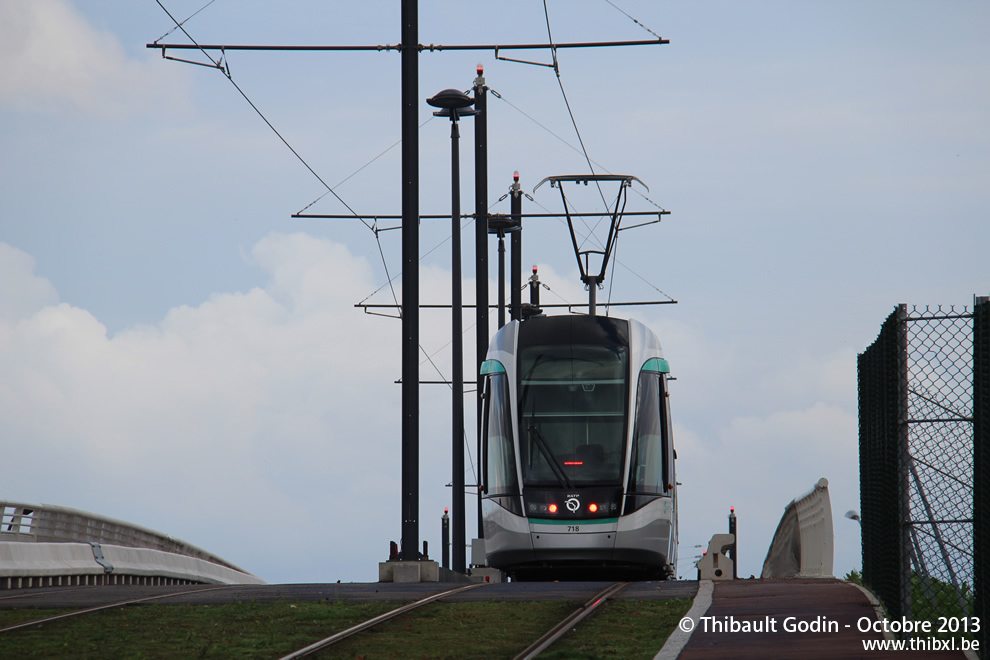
579,479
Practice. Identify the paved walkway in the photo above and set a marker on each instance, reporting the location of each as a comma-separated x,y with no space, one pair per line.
747,619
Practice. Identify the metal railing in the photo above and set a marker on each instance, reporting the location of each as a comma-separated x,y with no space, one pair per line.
923,418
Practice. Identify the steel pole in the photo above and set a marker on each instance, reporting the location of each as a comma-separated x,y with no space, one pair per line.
501,278
445,539
732,550
410,281
457,348
515,278
480,252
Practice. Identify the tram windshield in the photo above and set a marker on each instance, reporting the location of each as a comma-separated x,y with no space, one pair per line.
572,412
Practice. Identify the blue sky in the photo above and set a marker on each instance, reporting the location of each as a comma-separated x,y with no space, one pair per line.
178,352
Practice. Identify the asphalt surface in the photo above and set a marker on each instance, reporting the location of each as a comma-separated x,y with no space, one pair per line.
94,596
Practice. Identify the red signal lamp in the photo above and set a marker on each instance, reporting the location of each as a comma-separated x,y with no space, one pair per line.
592,507
552,508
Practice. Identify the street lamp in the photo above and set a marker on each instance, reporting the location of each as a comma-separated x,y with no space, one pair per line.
456,104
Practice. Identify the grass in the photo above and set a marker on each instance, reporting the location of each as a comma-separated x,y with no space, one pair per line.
13,617
624,629
621,629
934,600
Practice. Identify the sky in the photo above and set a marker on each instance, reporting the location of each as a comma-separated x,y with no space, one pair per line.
177,351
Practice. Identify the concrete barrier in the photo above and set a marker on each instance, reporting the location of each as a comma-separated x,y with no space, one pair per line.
46,523
715,564
803,545
143,561
45,545
45,559
38,564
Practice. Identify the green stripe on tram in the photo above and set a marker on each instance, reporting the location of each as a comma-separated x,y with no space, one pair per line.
572,521
492,367
657,364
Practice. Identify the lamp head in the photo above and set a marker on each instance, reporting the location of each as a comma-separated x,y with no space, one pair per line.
451,99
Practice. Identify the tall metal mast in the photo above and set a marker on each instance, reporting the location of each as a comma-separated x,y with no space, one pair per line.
410,280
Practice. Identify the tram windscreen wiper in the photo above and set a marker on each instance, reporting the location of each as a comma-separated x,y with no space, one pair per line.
544,447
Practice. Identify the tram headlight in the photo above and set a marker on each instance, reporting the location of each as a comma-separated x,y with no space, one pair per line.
552,508
592,507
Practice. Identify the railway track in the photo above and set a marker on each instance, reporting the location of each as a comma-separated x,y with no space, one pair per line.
533,650
370,623
569,622
100,608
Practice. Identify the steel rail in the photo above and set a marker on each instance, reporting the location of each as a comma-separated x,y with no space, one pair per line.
570,621
33,592
344,634
99,608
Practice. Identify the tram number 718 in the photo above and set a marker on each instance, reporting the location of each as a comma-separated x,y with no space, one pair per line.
573,528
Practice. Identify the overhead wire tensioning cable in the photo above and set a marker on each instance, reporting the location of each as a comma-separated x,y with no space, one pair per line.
467,445
421,257
634,20
512,105
180,24
360,169
226,73
560,83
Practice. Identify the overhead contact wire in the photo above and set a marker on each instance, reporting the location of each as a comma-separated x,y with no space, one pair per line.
226,73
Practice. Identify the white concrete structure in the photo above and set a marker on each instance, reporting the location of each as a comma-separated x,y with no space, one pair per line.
44,545
803,545
715,563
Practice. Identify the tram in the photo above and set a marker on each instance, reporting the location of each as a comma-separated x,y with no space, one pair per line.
578,471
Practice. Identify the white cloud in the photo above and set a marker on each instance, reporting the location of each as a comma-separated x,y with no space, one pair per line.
23,292
758,465
55,60
755,433
249,422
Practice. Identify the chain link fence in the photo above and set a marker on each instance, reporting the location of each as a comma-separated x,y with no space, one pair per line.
923,424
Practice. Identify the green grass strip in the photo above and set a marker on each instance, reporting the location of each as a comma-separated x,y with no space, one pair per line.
622,629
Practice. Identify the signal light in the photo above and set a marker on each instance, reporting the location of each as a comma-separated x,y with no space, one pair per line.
553,508
573,462
592,507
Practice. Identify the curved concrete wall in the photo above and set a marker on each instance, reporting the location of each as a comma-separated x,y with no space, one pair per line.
44,541
46,560
803,545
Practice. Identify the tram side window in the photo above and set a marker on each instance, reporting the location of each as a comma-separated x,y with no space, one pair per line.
649,440
500,458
